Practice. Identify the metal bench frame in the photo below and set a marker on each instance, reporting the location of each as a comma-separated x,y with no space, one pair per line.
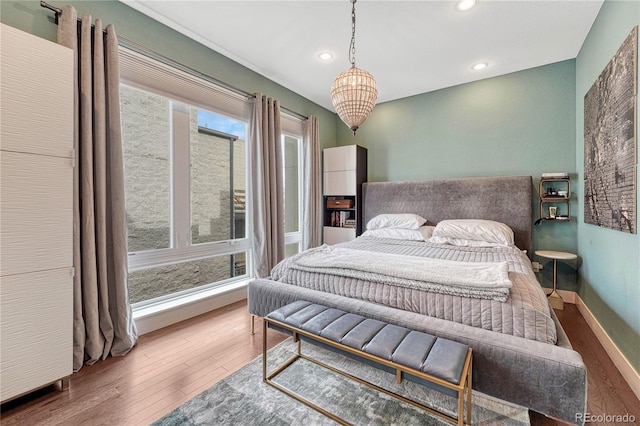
463,388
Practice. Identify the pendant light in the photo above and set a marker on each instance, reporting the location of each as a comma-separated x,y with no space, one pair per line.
354,91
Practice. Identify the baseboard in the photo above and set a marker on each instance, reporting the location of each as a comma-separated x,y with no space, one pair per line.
152,318
623,365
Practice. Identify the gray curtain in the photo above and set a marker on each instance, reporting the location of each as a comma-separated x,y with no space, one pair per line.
312,194
102,318
267,184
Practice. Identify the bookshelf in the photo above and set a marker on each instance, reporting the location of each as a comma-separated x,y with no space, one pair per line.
344,171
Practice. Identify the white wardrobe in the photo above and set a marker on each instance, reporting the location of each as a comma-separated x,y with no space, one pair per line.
36,213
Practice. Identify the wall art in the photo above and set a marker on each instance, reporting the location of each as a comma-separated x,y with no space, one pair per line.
610,142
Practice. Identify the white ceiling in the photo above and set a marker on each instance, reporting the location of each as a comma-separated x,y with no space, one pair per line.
410,47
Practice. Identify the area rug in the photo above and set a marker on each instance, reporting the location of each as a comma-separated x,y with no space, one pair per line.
244,399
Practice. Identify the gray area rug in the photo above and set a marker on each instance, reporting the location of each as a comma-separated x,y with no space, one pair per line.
244,399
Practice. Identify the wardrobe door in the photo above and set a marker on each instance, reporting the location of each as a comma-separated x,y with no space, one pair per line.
36,213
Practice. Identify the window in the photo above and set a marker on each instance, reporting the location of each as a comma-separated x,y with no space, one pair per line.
185,181
147,150
293,183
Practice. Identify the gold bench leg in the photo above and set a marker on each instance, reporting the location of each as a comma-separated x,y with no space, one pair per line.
264,348
469,384
253,320
461,407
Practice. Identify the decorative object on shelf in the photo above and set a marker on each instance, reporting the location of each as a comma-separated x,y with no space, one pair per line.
354,92
555,197
555,300
339,203
610,142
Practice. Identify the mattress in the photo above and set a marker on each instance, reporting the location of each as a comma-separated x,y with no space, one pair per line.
525,313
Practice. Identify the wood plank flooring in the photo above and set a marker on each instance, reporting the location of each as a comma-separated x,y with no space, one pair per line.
170,366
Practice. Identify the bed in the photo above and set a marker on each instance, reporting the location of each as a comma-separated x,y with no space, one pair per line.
521,353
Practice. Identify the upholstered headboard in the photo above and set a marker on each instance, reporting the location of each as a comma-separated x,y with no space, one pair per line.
503,199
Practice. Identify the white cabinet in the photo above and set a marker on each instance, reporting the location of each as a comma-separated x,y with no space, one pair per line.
344,171
36,206
341,158
335,235
340,183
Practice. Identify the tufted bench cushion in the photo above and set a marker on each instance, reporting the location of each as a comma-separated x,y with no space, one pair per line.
435,362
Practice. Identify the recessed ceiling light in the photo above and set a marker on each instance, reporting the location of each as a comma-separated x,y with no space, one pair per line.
325,56
479,66
465,5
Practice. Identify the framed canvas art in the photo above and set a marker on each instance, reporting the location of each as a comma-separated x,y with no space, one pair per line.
610,142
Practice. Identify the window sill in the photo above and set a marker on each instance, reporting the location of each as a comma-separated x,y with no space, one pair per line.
154,317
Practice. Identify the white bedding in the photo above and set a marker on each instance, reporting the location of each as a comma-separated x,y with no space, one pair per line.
483,280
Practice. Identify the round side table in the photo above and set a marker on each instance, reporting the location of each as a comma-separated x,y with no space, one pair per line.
555,300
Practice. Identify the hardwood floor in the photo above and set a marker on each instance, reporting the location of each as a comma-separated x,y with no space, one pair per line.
607,391
170,366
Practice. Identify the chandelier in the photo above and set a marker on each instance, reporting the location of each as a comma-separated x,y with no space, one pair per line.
354,91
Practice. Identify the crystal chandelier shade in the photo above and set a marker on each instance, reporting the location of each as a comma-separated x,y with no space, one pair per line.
354,92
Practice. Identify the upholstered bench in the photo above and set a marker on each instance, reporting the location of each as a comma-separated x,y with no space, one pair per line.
434,362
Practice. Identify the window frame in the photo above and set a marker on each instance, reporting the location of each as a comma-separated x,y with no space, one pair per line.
295,237
181,248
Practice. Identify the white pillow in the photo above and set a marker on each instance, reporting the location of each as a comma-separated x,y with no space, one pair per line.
421,234
403,221
488,231
462,242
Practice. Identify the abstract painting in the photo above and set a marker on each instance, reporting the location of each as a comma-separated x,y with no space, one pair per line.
610,142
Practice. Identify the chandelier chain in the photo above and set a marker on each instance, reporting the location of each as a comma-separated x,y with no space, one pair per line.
352,46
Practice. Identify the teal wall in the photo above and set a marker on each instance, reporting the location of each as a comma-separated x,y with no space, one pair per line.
29,16
517,124
610,273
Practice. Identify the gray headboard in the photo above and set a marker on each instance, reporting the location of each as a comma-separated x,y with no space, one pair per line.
503,199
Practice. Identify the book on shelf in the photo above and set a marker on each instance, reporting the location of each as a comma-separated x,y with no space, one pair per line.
340,218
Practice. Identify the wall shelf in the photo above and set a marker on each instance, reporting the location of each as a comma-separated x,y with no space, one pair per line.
555,199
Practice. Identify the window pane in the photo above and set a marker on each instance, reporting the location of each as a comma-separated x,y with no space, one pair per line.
151,283
146,142
218,180
291,190
291,249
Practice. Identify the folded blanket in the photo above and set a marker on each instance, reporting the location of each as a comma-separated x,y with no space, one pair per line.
470,279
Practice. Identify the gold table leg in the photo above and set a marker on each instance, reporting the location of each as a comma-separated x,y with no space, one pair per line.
555,300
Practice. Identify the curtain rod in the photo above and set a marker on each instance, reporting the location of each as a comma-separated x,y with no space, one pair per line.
154,55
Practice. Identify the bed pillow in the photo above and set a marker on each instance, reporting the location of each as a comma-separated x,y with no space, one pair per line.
421,234
487,231
402,221
463,242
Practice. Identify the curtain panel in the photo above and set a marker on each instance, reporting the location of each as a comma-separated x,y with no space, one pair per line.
312,194
266,184
103,320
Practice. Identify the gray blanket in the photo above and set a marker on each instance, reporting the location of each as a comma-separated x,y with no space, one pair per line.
482,280
525,313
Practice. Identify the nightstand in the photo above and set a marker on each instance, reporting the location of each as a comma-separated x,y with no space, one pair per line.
555,300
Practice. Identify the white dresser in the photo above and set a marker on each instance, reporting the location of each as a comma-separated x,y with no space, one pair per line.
36,211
